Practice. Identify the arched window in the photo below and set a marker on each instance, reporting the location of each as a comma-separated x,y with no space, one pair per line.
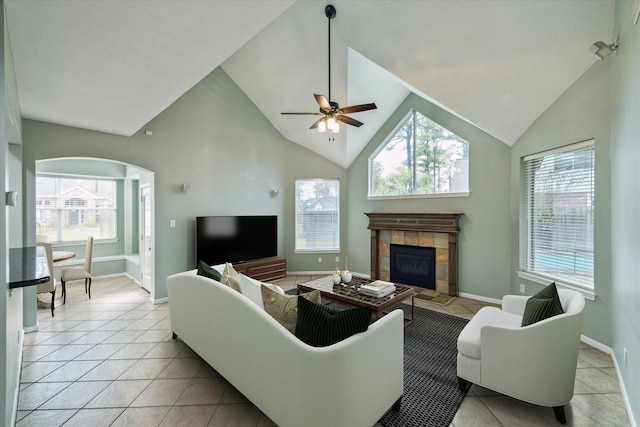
419,158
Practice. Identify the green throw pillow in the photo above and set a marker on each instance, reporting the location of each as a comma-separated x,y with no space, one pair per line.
319,325
207,271
542,305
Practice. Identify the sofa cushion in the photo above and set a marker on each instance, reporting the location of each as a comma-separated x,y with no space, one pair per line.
250,288
284,308
542,305
230,277
319,325
207,271
469,338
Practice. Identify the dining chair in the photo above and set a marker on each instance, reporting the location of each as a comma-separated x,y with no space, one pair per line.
50,286
79,273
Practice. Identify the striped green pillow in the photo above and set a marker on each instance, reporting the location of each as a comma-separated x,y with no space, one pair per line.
319,325
542,305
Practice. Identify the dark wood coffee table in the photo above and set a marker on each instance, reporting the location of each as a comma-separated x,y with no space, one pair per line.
350,295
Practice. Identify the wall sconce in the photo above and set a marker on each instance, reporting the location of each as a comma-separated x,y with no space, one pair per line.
184,188
274,192
601,50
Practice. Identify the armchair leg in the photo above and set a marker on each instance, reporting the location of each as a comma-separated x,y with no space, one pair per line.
560,415
64,292
397,404
53,298
463,384
85,284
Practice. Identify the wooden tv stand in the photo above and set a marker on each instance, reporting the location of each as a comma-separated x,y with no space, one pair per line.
265,269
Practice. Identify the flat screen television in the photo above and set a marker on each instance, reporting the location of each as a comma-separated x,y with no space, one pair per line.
236,239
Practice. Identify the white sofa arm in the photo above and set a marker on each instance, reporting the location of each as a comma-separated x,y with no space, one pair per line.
514,304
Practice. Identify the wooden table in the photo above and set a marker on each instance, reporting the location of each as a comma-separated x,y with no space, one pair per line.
59,256
350,295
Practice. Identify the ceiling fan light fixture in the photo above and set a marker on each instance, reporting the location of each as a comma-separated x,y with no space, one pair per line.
331,123
322,126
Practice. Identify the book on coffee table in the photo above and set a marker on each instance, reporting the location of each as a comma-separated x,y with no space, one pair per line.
378,288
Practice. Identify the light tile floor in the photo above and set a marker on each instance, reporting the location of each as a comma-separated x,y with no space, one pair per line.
110,361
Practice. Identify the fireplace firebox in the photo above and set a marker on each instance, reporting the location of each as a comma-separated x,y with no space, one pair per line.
413,265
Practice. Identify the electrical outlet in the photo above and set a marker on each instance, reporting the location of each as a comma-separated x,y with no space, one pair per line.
521,288
624,356
319,259
337,259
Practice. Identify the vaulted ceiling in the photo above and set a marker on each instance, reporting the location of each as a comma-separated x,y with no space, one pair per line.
113,66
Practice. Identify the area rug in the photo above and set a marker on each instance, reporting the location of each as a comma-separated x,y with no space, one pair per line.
431,394
435,297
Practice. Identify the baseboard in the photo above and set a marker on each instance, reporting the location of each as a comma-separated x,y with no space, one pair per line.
16,394
327,273
623,389
30,329
133,279
159,300
480,298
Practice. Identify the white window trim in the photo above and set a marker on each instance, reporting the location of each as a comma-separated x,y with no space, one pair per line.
380,147
546,281
589,293
63,243
420,196
336,250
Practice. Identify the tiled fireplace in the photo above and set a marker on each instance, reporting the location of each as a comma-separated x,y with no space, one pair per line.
438,231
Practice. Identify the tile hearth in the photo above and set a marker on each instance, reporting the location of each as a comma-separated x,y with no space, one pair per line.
110,361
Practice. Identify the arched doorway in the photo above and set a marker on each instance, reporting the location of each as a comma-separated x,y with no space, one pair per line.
75,204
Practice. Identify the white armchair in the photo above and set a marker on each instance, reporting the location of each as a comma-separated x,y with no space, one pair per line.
535,363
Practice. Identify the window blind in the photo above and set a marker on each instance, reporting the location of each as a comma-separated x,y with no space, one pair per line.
560,214
317,215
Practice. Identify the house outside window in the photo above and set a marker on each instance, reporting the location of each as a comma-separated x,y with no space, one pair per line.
419,158
69,209
560,200
317,215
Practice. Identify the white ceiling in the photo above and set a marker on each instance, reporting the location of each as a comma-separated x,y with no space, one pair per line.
113,66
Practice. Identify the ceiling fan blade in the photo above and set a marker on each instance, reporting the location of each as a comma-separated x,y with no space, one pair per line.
323,103
348,120
316,123
357,108
305,114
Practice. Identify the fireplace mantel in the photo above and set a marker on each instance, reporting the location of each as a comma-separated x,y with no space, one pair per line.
418,229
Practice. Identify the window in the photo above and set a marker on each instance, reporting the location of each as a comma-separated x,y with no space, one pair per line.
559,188
70,209
420,157
317,215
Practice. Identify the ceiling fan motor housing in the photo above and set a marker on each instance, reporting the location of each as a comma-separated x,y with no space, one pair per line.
330,11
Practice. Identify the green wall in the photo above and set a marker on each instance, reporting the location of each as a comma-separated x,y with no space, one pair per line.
11,334
625,201
484,237
581,113
604,105
231,164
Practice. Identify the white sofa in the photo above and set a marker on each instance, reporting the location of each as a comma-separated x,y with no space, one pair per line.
535,363
351,383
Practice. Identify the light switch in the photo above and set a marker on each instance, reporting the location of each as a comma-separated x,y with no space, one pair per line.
172,223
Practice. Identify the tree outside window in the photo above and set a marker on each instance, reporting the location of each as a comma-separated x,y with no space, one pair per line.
420,157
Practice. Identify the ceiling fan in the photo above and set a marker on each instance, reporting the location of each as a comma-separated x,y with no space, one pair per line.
330,111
